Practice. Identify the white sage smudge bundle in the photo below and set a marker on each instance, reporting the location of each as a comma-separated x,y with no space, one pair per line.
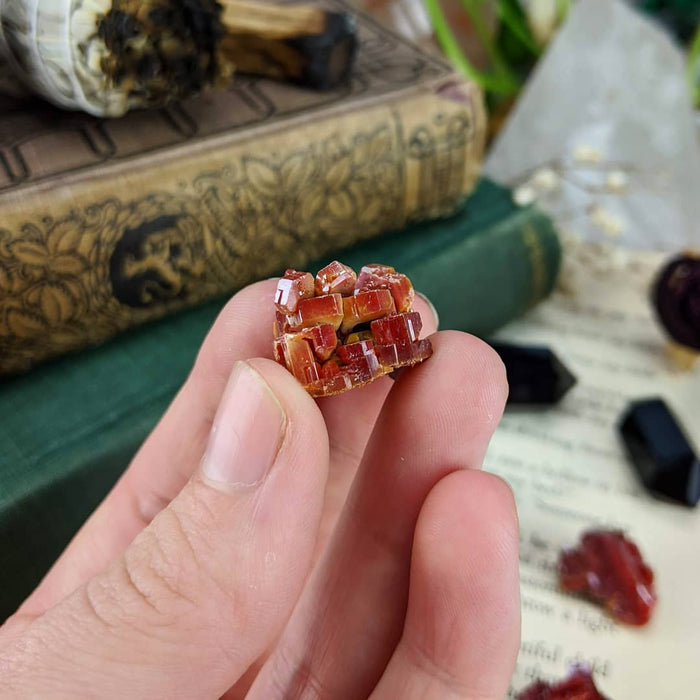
106,57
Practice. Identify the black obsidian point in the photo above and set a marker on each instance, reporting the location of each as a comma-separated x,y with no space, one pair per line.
536,376
660,451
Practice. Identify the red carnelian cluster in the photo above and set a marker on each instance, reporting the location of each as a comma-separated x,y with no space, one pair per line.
609,568
578,686
342,330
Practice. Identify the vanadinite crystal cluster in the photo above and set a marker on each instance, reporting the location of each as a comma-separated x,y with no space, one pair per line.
578,686
608,567
341,330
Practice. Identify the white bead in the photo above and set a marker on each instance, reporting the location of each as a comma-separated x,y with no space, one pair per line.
524,195
587,154
617,181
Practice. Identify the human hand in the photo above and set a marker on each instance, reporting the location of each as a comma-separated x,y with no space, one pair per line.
199,577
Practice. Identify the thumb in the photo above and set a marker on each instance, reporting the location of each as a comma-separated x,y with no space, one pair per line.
208,586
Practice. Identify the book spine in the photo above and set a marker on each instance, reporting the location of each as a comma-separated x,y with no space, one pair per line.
477,280
85,260
513,266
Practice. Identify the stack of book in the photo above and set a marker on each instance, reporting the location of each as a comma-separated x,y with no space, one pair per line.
148,223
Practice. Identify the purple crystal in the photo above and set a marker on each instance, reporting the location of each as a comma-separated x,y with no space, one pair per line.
676,298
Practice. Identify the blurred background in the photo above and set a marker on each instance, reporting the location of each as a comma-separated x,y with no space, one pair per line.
533,166
499,42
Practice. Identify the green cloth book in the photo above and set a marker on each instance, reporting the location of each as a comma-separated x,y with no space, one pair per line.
70,428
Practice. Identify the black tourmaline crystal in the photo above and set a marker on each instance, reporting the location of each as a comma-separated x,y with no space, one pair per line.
536,376
661,452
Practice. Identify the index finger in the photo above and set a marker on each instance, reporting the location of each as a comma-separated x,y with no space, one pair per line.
170,454
439,418
174,449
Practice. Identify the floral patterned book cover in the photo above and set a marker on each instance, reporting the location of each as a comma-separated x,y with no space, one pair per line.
106,224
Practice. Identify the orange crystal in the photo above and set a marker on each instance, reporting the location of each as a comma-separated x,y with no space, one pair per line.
349,330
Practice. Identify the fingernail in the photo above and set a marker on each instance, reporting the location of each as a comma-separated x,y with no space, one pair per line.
431,306
247,431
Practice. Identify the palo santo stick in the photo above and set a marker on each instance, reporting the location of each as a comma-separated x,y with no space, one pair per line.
303,43
272,21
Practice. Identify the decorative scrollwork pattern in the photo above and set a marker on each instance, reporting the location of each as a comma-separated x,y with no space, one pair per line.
228,217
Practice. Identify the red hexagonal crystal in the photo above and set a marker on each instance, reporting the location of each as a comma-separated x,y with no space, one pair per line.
298,357
352,352
354,330
317,310
364,307
384,277
398,328
323,340
291,289
608,567
578,686
336,278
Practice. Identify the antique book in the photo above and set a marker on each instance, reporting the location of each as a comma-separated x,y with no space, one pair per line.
107,224
71,426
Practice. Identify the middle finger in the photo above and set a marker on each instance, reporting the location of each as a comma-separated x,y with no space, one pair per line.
350,419
439,417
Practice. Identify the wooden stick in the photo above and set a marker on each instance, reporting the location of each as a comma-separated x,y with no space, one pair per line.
272,21
302,43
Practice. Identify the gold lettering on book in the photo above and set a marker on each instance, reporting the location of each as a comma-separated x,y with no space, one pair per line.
539,265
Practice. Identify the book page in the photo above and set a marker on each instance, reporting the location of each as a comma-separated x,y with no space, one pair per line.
570,473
